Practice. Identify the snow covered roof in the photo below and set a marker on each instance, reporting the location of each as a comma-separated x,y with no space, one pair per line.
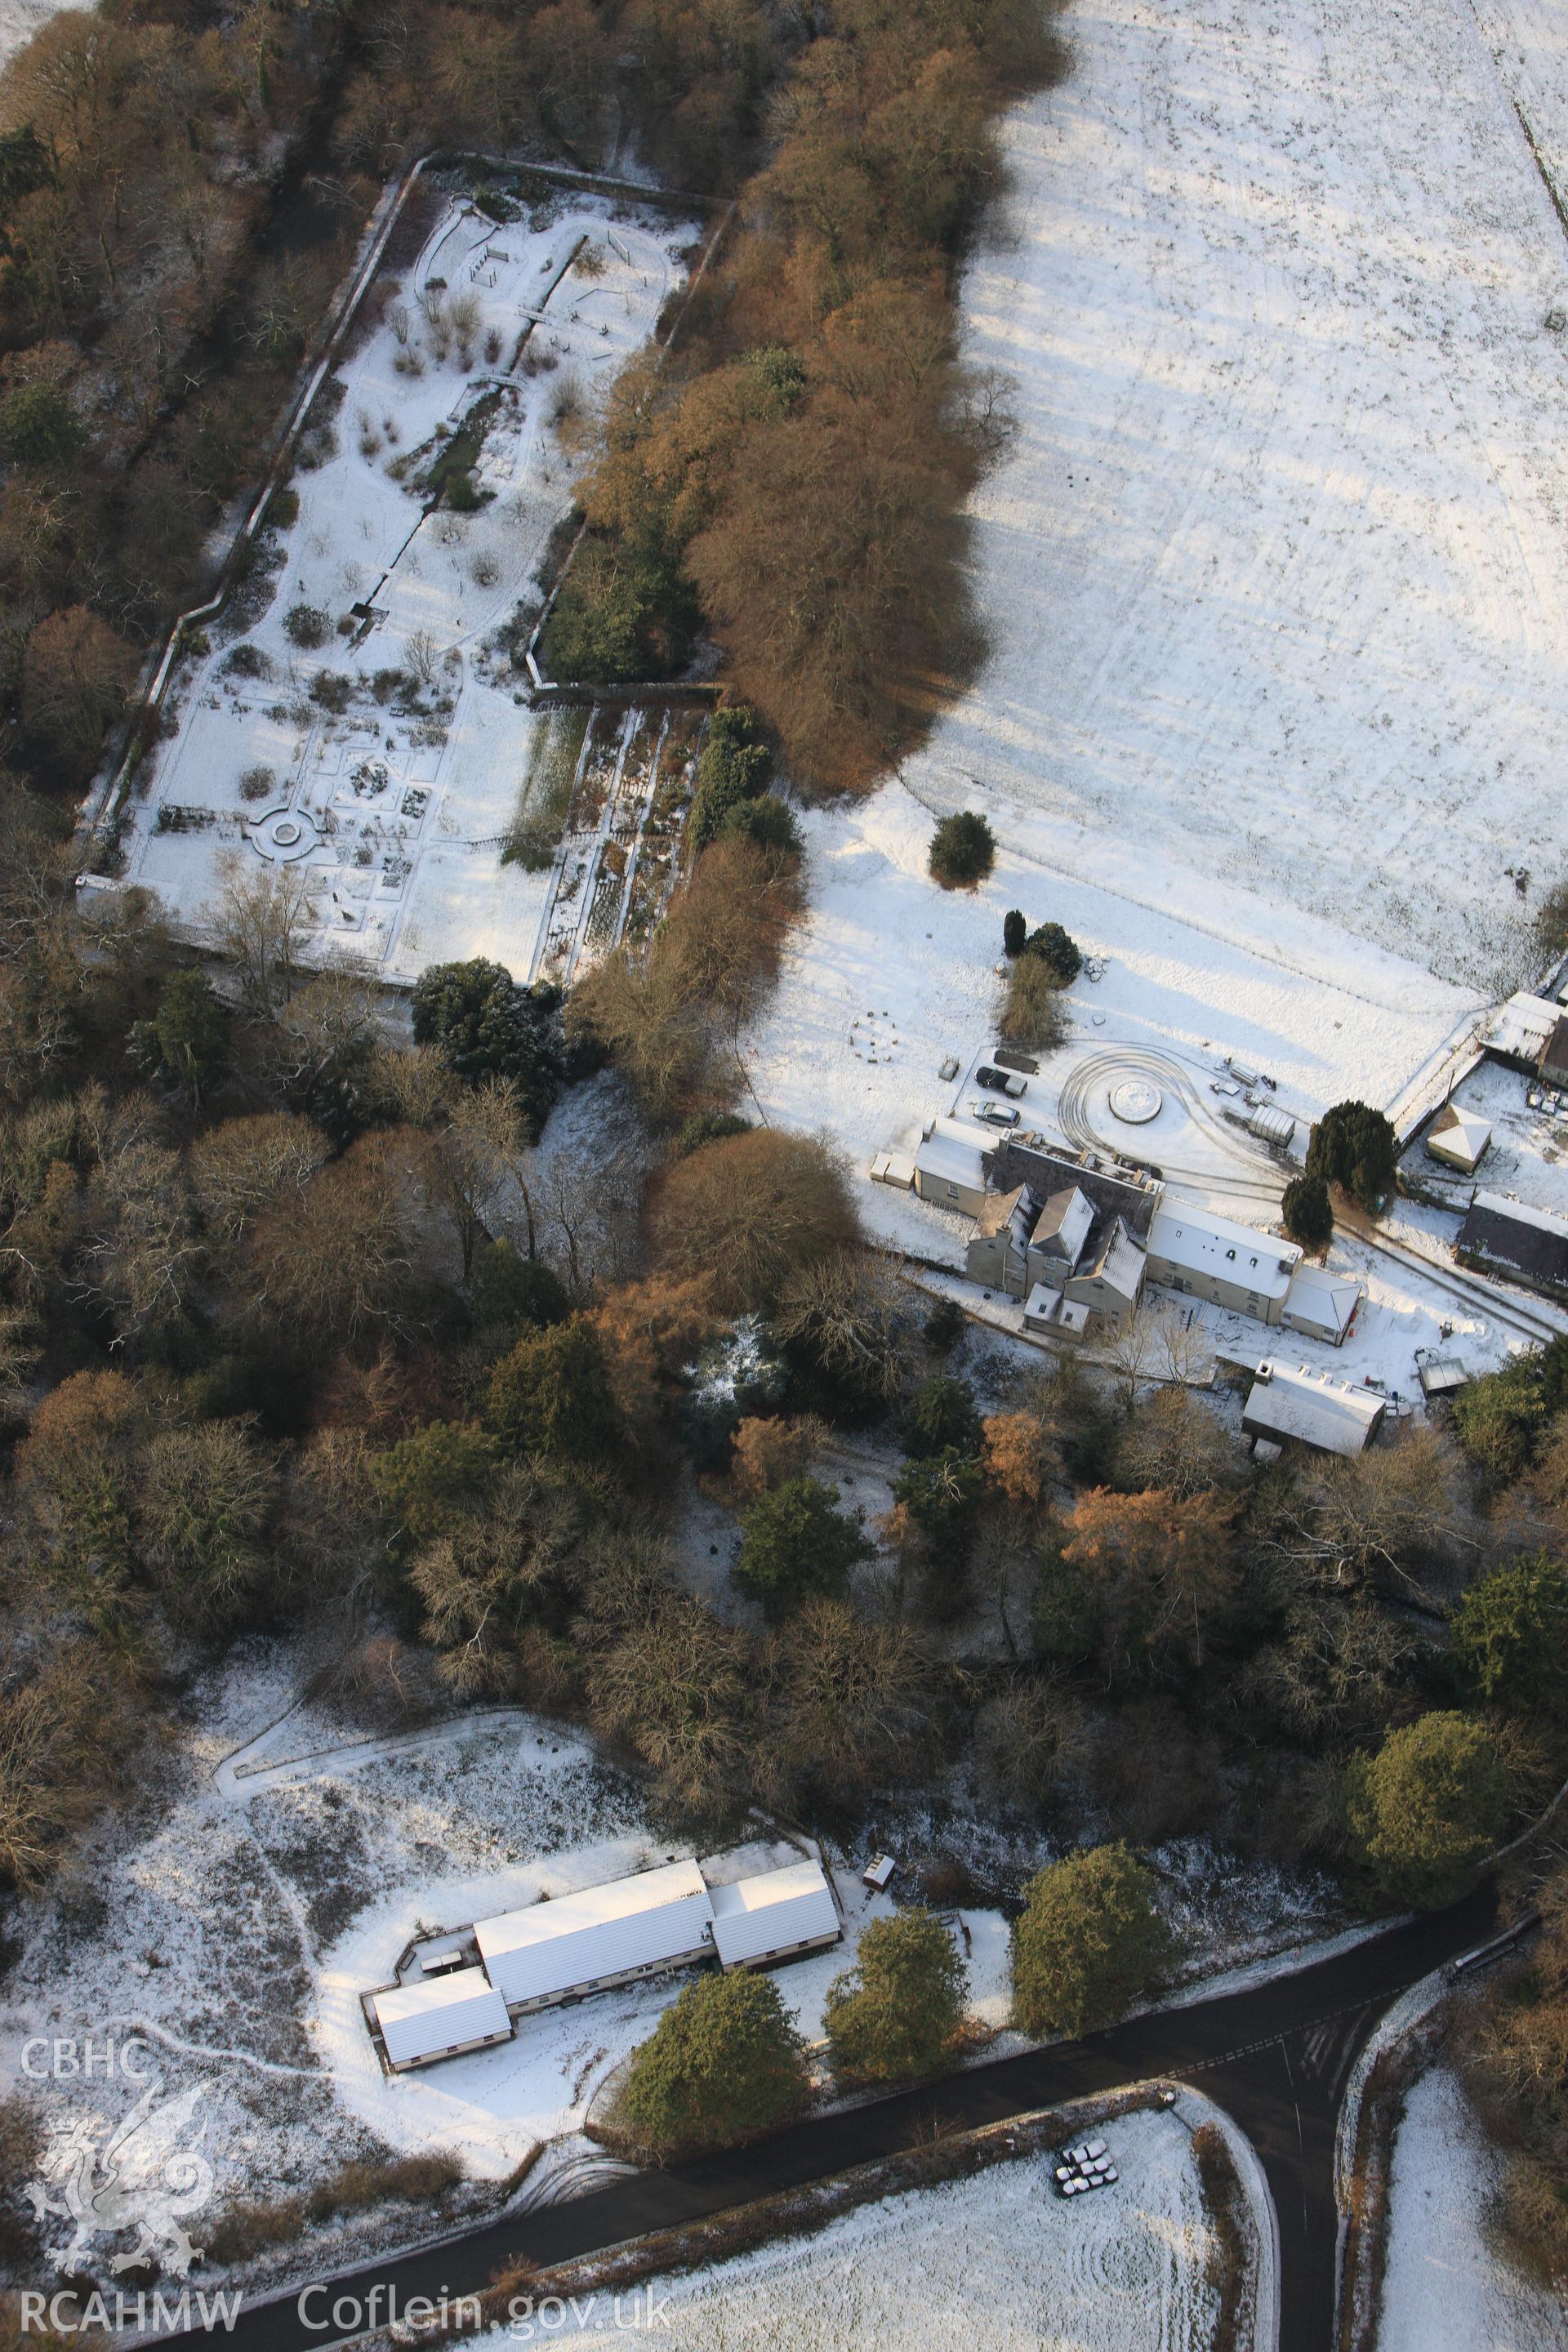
1321,1302
1121,1262
423,2020
1512,1234
1313,1407
953,1154
1196,1242
772,1912
1063,1226
597,1931
1521,1028
1459,1136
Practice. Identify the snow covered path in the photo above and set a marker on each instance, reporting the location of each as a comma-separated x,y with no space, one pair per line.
1276,576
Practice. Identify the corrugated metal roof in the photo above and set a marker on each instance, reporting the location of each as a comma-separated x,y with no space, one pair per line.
597,1931
773,1912
420,2020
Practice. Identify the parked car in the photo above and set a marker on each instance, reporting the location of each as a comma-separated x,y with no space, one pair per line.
994,1114
1000,1082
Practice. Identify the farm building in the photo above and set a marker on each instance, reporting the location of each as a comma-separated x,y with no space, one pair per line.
1459,1139
1320,1305
598,1936
775,1917
1521,1031
1205,1256
952,1166
1520,1243
1553,1067
1311,1409
588,1941
439,2017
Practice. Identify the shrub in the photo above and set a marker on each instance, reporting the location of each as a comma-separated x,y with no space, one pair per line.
1354,1147
797,1545
246,661
897,2014
282,510
963,850
1308,1213
1061,955
307,626
1430,1803
1032,1013
510,1288
1089,1941
1015,931
766,823
945,1327
722,2065
1511,1633
333,689
257,783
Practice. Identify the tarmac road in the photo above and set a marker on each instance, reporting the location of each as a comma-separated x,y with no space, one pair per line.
1276,2056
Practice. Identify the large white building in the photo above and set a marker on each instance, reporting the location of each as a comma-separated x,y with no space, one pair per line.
1204,1256
465,1990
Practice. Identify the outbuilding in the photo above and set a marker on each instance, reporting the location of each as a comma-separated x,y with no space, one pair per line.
597,1937
952,1166
1553,1067
1320,1304
1459,1139
1519,1243
775,1916
1312,1409
1205,1256
439,2017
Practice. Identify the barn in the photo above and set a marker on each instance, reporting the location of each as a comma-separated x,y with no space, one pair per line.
439,2017
598,1936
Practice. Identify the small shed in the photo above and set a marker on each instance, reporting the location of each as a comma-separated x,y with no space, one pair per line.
439,2017
877,1872
775,1916
1313,1408
1441,1376
1459,1139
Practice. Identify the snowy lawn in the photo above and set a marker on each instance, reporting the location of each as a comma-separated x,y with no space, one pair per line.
1121,2271
1277,571
20,19
397,818
1446,2287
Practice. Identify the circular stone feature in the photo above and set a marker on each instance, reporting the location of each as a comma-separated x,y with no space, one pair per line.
282,834
1136,1101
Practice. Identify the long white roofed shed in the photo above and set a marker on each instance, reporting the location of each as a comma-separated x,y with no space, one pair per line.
439,2017
774,1915
598,1936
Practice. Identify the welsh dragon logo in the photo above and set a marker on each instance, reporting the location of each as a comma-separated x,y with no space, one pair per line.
151,2174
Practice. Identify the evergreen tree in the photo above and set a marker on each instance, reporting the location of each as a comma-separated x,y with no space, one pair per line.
1511,1633
941,1414
797,1545
1015,931
484,1025
896,2013
188,1039
1060,954
1428,1805
1089,1940
722,2065
941,1495
551,1395
1308,1213
427,1480
1354,1147
963,850
732,772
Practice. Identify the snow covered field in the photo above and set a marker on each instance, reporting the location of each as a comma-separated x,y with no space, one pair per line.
396,812
1445,2288
1122,2271
1276,572
20,19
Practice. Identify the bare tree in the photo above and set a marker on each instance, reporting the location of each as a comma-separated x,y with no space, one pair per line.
858,1313
1135,1346
259,923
